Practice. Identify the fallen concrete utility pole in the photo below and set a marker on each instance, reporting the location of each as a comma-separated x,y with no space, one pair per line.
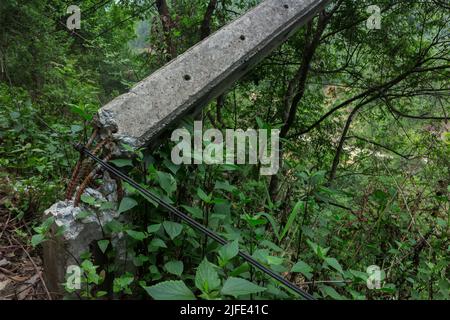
203,72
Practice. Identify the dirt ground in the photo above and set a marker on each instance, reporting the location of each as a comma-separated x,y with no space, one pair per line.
20,264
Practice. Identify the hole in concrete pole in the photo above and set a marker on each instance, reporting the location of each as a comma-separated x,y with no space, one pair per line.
242,37
187,77
286,6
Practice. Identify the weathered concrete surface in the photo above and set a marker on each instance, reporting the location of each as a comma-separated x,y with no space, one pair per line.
79,235
203,72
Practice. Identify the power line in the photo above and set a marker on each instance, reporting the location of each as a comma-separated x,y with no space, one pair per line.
96,6
125,20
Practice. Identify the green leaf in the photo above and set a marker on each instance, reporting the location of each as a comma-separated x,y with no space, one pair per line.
174,267
170,290
158,243
274,260
240,287
359,275
137,235
171,166
240,269
37,239
271,245
272,222
291,218
122,162
195,212
224,185
335,264
153,228
167,182
127,204
121,283
88,199
228,252
202,195
81,112
329,291
75,128
173,229
303,268
103,245
318,250
206,277
83,214
114,226
107,206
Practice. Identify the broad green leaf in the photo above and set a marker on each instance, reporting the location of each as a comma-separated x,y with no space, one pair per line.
170,290
103,245
126,204
206,277
331,292
37,239
114,226
158,243
240,269
229,251
274,260
195,212
83,214
137,235
88,199
122,162
173,229
224,185
174,267
167,182
107,205
171,166
80,112
335,264
271,245
202,195
359,274
240,287
303,268
153,228
121,283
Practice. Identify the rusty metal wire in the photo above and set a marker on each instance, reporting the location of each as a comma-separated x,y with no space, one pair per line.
74,179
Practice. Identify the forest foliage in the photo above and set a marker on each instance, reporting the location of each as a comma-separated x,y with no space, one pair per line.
365,138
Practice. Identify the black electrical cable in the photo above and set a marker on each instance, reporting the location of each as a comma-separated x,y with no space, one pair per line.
183,216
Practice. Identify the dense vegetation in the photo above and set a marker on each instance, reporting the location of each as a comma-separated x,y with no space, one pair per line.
364,124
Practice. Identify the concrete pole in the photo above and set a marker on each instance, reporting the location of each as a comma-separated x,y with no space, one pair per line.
188,83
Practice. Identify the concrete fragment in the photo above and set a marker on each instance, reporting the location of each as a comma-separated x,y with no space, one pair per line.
79,235
203,72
